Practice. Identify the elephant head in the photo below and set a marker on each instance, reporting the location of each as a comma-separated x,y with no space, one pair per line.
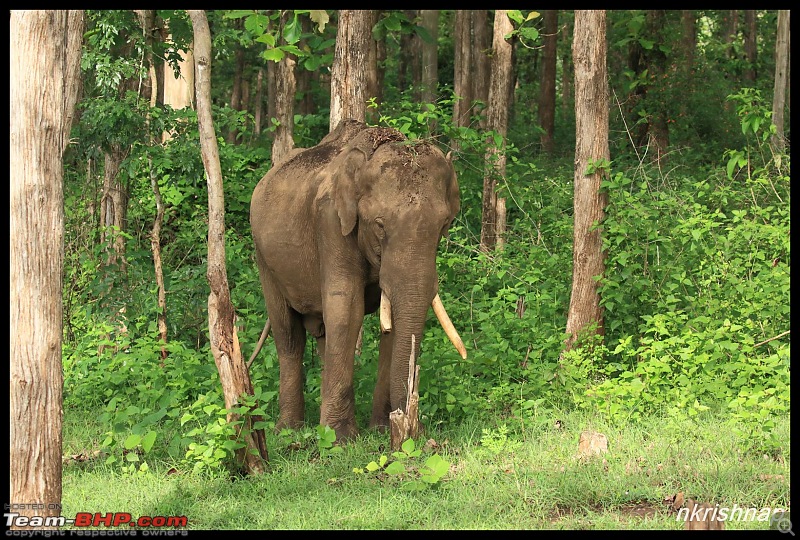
399,199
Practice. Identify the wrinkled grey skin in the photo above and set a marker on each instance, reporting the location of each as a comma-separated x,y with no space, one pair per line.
334,225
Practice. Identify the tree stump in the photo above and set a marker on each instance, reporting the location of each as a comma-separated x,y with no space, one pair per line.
405,425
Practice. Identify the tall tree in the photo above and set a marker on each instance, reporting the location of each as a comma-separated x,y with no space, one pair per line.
567,69
45,53
430,55
285,87
147,20
462,61
781,79
349,74
236,90
750,45
591,152
481,47
547,101
497,120
221,316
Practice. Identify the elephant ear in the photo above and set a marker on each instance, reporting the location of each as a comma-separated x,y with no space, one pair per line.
453,195
345,189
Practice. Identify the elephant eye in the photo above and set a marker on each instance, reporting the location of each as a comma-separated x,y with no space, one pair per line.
379,230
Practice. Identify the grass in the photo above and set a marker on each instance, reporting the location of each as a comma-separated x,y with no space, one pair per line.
526,478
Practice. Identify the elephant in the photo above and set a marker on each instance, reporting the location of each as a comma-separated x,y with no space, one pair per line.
342,229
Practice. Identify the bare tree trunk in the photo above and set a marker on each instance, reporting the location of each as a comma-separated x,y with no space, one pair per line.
236,92
497,120
259,104
146,20
113,208
430,56
285,87
221,316
781,80
481,49
547,103
349,71
45,52
591,132
567,68
374,79
179,91
462,86
750,46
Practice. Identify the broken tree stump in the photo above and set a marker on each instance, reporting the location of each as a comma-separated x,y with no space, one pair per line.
405,425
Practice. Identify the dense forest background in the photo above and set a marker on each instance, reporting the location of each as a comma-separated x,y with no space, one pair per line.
695,294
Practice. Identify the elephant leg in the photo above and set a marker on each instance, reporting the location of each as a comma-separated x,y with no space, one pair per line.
380,399
344,312
290,342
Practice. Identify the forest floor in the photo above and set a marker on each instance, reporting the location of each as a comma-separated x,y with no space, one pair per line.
551,470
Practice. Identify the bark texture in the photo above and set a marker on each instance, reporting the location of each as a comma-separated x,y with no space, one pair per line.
781,79
349,72
497,120
221,317
591,132
45,49
547,101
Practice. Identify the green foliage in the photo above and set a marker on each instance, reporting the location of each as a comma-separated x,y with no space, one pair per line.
497,442
326,437
411,475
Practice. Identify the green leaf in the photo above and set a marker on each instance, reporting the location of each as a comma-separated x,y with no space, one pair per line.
292,31
372,466
408,446
132,441
148,440
132,457
268,39
276,55
395,467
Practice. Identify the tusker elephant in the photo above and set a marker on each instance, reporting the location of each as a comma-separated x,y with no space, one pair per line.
342,229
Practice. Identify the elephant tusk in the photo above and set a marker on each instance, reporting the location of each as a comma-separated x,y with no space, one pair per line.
386,314
448,327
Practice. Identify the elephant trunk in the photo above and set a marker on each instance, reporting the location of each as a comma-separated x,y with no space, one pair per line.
408,317
441,316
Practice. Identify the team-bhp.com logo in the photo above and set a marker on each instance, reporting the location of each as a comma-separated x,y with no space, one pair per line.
95,519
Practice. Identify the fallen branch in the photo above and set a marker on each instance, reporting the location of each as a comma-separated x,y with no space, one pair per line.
771,339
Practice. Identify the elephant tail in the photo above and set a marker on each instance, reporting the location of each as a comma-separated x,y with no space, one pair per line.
261,340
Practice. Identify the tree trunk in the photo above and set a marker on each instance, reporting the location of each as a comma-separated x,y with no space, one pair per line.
496,120
179,91
259,102
113,209
750,46
146,20
591,133
781,80
481,49
374,79
221,317
349,70
236,92
430,56
285,87
462,82
547,103
567,68
45,52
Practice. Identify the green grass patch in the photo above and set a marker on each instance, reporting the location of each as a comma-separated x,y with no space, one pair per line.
522,473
